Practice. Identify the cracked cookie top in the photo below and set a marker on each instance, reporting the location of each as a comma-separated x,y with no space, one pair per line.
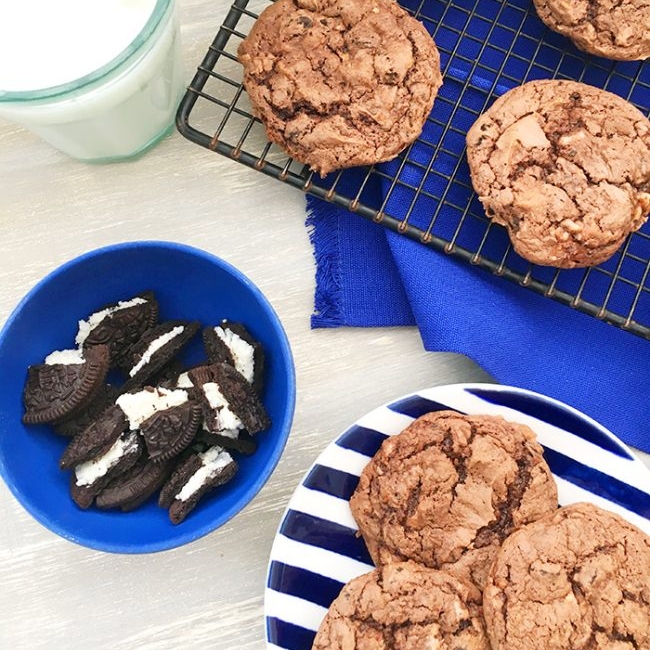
615,29
340,83
449,489
404,606
579,579
565,167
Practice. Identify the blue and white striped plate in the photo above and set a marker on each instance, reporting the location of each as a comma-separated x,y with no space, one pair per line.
316,552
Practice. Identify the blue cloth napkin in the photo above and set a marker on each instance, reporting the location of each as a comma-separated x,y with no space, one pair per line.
368,276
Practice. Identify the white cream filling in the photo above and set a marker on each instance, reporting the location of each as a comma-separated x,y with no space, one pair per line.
154,346
65,357
184,381
140,406
212,461
241,351
227,433
216,400
87,473
87,326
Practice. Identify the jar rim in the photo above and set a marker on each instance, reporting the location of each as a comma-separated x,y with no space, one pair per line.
140,39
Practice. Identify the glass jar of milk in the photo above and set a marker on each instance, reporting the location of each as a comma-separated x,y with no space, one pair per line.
98,79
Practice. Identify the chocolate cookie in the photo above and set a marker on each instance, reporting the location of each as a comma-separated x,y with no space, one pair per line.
132,488
578,579
63,385
405,606
75,424
89,478
448,490
119,324
609,28
151,353
166,433
197,475
229,401
232,343
98,437
340,83
565,167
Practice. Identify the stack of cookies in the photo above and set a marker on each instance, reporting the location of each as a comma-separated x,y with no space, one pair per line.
460,515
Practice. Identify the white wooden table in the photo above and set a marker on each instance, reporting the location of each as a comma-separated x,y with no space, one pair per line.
208,594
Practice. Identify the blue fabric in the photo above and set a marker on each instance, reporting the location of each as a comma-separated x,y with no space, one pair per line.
520,338
371,276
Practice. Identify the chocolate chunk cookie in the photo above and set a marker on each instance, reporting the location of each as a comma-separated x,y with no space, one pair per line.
610,28
405,606
340,83
576,579
565,167
449,489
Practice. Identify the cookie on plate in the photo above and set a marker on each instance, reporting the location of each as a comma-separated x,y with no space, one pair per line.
340,83
565,167
448,490
406,606
608,28
577,579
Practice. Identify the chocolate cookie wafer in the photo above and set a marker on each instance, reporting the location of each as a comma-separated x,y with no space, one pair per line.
64,384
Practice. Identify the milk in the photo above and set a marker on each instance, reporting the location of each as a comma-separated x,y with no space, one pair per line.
98,79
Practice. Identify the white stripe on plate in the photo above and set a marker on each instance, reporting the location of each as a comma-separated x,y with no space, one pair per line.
570,493
580,450
385,421
317,560
272,646
322,505
344,460
293,610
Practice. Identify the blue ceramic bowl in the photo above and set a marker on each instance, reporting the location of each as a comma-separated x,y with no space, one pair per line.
189,284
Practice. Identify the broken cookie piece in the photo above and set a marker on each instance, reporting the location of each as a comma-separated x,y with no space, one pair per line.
133,487
232,343
64,384
97,438
229,401
167,419
89,478
119,325
155,349
196,476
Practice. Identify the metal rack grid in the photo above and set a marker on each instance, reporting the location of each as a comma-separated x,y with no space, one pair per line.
486,47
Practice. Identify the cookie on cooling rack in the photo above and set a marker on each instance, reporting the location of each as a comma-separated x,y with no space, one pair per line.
340,84
449,489
565,167
608,28
404,605
575,579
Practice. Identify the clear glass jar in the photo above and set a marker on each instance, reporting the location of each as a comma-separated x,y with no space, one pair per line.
118,111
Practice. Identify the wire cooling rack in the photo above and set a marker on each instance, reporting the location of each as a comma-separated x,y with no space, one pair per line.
486,48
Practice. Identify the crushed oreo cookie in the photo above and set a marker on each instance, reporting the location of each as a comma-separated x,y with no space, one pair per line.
165,427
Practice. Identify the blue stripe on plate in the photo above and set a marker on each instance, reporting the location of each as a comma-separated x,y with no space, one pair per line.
599,483
362,440
331,481
303,584
416,406
326,534
289,636
552,414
